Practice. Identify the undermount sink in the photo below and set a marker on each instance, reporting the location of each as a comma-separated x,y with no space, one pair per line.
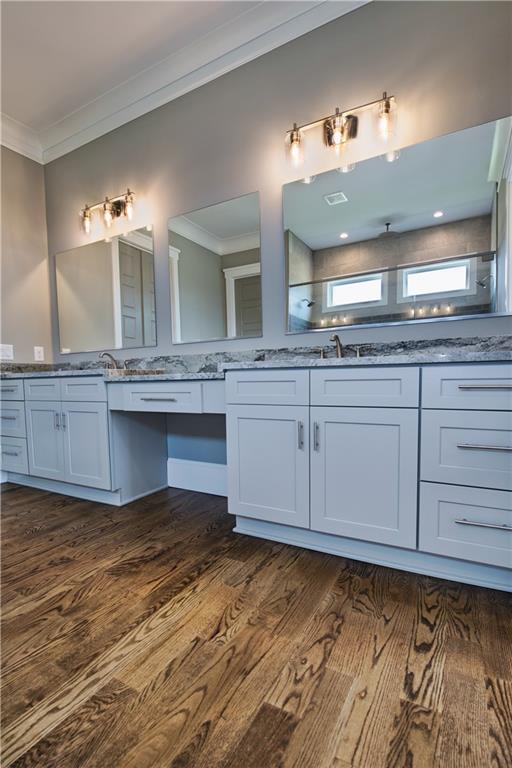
115,372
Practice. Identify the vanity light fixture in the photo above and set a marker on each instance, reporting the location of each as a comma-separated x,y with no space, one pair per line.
342,126
110,208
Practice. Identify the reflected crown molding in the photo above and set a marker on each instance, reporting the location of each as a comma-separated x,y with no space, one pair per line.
183,226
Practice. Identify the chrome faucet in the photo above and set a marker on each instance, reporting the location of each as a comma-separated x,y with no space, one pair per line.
339,345
113,363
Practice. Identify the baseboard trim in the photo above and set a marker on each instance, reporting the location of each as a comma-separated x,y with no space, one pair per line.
4,478
201,476
381,554
68,489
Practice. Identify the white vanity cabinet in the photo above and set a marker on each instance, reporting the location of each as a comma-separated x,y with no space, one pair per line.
268,463
68,436
364,473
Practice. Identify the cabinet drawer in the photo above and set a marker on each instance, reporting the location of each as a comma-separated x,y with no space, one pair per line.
470,387
12,419
467,523
467,448
89,389
12,389
267,387
379,387
156,397
42,389
14,455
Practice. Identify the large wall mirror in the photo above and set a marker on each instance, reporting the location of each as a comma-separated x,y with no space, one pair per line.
214,256
422,237
106,294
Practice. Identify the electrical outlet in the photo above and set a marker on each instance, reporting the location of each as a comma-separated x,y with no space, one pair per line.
6,352
39,354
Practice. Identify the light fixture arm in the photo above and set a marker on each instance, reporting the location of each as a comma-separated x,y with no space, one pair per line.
111,208
340,113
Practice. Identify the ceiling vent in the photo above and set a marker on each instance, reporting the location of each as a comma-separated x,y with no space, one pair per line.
335,198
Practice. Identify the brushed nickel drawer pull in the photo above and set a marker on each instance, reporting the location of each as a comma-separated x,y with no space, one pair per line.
497,526
9,418
8,389
316,439
159,399
476,447
300,435
64,423
10,453
485,386
56,420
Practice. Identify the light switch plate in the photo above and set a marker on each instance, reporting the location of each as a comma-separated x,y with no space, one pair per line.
39,354
6,352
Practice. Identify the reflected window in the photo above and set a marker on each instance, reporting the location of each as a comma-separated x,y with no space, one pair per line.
444,278
354,291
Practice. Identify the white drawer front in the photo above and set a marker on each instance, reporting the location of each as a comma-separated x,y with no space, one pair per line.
267,387
42,389
467,523
471,387
14,455
11,389
468,448
12,419
156,397
87,389
367,387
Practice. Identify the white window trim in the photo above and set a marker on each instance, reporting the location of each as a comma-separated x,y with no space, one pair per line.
440,295
174,256
326,307
231,274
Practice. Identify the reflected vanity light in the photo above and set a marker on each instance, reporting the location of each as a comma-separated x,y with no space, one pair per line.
308,179
347,168
342,126
392,155
110,208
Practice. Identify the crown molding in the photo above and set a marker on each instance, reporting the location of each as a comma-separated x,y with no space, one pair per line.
20,138
252,34
183,226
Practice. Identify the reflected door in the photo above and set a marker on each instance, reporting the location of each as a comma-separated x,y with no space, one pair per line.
248,306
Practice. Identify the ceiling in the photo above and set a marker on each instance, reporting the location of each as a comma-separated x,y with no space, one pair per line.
72,71
227,227
449,173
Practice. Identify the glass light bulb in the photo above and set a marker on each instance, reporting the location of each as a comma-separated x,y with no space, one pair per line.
385,118
337,131
128,205
295,142
86,220
107,212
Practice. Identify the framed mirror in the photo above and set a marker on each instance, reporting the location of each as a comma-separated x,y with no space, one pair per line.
106,294
413,236
214,258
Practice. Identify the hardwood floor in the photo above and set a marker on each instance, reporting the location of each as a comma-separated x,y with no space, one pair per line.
152,635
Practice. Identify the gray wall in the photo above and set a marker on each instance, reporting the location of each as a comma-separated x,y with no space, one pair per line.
25,282
448,64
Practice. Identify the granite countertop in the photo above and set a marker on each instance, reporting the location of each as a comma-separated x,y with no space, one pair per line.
116,378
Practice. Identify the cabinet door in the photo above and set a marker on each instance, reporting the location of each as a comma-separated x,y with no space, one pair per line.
364,472
44,439
268,463
86,444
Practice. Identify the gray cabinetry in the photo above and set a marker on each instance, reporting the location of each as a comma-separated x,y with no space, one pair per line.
44,439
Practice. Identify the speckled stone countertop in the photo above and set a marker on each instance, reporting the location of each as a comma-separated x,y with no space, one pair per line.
212,366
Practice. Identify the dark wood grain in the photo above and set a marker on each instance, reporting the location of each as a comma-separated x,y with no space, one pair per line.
151,635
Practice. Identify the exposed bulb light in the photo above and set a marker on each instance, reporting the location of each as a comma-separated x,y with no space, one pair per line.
107,212
308,179
344,235
128,205
392,155
86,220
295,141
385,117
337,128
438,214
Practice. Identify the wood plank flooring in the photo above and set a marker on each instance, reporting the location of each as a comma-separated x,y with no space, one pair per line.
151,635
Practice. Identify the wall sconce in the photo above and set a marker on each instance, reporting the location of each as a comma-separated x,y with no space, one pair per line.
111,208
342,127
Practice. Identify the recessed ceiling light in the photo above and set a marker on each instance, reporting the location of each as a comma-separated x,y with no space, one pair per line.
438,214
344,235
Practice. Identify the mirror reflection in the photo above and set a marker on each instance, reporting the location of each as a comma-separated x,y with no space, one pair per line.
106,294
214,256
421,237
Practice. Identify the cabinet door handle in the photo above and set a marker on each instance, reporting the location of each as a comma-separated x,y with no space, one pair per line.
9,453
300,435
8,389
64,423
316,436
476,447
159,399
56,417
485,386
497,526
9,418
